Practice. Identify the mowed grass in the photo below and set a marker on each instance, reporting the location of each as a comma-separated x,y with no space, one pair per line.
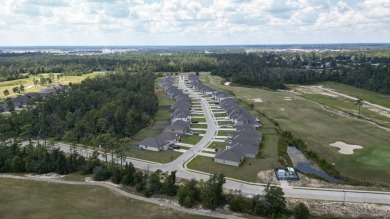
29,84
225,132
199,119
247,171
190,139
31,199
349,106
370,96
217,145
196,125
318,128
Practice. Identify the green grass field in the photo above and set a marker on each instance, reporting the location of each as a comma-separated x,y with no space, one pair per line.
31,199
217,145
247,171
29,84
227,122
225,132
199,119
190,139
196,125
349,106
318,128
373,97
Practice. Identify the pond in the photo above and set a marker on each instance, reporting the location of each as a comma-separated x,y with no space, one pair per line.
305,166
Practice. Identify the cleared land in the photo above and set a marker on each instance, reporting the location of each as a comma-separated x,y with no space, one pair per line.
30,199
318,128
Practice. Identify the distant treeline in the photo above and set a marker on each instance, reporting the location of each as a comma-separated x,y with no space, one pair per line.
363,69
275,71
97,110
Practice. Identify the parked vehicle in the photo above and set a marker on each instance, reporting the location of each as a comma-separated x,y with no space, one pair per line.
195,133
176,147
194,121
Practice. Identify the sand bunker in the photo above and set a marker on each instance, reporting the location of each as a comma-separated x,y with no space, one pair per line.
287,98
345,148
257,100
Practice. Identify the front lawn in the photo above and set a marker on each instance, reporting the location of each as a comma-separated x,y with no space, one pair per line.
190,139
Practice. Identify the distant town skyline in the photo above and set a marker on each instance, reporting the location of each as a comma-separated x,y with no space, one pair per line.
192,22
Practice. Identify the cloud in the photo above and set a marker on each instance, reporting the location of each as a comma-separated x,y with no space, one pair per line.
193,21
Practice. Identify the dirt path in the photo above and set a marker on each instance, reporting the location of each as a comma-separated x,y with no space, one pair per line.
126,194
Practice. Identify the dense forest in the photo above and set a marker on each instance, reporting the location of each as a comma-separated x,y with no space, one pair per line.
276,70
367,69
111,106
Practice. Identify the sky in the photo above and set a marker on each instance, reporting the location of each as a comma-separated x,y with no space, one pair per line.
192,22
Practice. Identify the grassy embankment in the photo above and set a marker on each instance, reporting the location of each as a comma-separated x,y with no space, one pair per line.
31,199
318,127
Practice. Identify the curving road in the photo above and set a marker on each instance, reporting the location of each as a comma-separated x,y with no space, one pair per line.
246,188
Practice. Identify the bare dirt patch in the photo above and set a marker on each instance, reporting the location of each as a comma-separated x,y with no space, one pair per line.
344,147
257,100
46,176
267,176
287,98
340,210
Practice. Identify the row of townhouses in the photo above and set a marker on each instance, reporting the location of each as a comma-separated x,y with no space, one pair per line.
246,140
180,119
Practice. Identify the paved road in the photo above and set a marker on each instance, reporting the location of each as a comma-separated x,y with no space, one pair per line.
247,188
126,194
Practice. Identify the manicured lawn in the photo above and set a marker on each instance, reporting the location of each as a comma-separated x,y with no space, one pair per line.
31,199
227,122
199,119
164,156
217,145
225,132
318,128
247,171
195,125
190,139
220,114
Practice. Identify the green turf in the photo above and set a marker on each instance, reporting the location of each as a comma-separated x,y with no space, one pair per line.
217,145
31,199
199,119
220,114
349,106
373,97
247,171
190,139
196,125
227,122
318,128
225,132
